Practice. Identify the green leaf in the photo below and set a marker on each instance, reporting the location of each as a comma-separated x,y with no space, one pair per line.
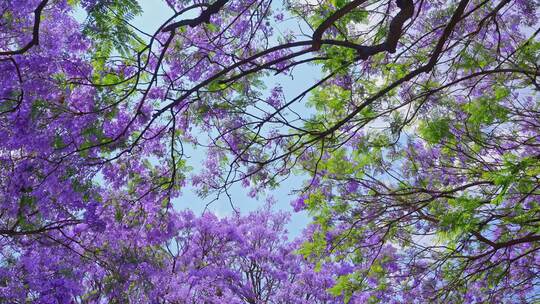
212,27
435,130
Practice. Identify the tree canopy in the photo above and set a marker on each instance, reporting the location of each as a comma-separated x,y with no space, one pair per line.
418,144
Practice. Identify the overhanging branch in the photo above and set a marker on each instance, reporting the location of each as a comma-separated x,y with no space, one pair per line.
35,32
204,17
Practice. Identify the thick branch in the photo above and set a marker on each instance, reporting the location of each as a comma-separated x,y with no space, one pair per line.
424,69
394,33
317,35
396,25
35,32
204,17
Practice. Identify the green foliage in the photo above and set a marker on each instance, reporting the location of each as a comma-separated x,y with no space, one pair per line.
486,110
338,58
331,98
529,55
459,217
217,85
394,71
345,286
435,130
107,24
475,57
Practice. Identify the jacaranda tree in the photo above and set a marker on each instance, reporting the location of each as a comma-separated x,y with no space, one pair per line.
419,145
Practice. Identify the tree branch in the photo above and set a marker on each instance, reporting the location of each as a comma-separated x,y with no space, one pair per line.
204,17
317,35
35,32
